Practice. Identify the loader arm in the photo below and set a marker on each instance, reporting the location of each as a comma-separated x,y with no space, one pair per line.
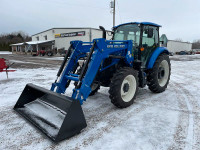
99,51
80,50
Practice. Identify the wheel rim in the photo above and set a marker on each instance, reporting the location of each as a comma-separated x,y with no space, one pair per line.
163,73
128,88
94,86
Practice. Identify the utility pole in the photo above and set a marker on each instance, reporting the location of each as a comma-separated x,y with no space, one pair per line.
112,5
114,14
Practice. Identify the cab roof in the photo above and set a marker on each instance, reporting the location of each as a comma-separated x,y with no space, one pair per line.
144,23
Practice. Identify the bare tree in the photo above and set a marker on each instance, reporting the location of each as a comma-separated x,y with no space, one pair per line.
196,44
178,40
12,38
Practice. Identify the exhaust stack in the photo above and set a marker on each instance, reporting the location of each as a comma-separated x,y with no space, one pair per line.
104,31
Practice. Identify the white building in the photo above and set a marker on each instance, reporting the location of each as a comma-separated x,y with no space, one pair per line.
175,46
58,38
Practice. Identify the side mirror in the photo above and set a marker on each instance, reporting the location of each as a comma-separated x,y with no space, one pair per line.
150,33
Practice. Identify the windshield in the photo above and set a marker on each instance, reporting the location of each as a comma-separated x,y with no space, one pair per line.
128,32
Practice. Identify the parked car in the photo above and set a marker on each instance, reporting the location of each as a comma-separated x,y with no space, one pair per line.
197,52
191,52
182,53
171,54
62,51
34,52
49,53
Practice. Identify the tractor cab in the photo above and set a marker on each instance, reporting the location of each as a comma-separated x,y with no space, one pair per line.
145,37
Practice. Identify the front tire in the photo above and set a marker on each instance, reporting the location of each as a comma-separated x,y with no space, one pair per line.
95,87
159,75
123,87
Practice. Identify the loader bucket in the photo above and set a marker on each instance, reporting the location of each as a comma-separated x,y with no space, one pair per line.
57,116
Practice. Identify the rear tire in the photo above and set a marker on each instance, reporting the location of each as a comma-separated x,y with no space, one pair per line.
158,77
123,87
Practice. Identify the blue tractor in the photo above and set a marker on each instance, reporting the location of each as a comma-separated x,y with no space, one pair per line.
132,59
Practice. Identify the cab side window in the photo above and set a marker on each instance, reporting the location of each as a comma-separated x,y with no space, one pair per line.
150,36
119,35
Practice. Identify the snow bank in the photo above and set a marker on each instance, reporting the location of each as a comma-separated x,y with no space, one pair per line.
50,58
5,52
12,87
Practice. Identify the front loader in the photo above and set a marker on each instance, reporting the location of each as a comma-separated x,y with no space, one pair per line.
132,59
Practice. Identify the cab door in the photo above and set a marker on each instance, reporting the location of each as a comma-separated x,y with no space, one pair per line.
150,41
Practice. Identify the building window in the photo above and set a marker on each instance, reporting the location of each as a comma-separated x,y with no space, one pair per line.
45,37
37,38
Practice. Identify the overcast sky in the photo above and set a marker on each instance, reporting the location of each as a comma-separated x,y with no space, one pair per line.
179,18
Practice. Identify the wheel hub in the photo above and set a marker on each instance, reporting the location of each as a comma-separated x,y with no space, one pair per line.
126,87
161,73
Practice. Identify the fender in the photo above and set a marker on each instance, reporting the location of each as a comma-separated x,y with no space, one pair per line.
155,55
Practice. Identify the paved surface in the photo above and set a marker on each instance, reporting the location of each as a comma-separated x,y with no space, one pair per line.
28,61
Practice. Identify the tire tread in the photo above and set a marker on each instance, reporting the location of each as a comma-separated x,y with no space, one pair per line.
152,75
115,86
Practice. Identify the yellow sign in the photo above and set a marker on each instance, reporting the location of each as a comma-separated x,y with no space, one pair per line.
57,35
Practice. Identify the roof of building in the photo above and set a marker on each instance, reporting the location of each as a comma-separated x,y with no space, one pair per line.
144,23
180,41
32,43
70,28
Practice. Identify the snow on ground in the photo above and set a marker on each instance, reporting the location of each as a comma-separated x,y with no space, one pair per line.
5,52
51,58
169,120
